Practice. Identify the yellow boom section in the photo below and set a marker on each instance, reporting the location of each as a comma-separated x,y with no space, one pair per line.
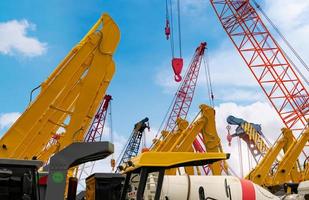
68,99
261,174
287,164
182,139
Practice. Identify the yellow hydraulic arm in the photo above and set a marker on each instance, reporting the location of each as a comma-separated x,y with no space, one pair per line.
261,173
182,139
68,98
287,164
212,141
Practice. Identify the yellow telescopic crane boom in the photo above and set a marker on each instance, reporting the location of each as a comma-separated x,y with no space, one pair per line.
266,156
181,140
69,98
287,164
262,174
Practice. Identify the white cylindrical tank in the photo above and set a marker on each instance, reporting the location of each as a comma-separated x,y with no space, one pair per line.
303,188
212,187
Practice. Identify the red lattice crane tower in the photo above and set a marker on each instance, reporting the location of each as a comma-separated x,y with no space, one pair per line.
266,60
96,129
185,93
184,97
94,134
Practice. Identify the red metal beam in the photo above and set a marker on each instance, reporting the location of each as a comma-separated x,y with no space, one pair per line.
185,93
266,60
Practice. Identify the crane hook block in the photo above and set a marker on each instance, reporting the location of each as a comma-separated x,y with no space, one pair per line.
167,30
229,138
177,64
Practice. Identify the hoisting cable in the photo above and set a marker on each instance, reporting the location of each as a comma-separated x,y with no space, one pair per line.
208,80
285,41
169,26
179,28
177,62
289,46
169,109
165,117
284,54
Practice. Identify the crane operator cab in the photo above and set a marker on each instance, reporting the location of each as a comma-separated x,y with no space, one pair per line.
18,179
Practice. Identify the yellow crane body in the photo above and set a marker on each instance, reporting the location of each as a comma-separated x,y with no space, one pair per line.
69,97
212,141
171,159
182,138
287,164
264,174
254,139
261,173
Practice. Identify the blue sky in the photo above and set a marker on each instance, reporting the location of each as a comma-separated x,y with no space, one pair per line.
143,84
141,54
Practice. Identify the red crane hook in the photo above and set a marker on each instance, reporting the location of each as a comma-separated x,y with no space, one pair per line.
177,64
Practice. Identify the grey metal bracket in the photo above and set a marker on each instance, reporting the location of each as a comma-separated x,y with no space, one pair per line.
73,155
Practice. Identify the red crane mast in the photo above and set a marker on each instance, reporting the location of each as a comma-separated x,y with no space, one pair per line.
96,129
184,97
94,134
266,60
186,90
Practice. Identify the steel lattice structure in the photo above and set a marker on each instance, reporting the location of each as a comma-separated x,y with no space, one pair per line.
266,60
96,129
133,145
184,97
94,134
186,90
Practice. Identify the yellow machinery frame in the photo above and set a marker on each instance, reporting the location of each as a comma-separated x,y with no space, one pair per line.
68,98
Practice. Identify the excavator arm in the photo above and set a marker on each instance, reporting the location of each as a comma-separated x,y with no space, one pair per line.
62,112
181,139
261,173
212,141
287,164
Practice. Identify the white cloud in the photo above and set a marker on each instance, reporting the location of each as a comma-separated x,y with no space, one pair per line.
150,135
195,7
14,39
165,79
288,14
240,95
227,67
291,17
7,119
258,112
